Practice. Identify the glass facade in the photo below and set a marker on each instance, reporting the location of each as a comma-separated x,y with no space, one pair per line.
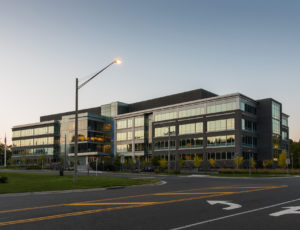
164,145
139,134
285,121
284,136
249,141
164,131
95,134
165,116
191,128
191,143
220,141
191,112
220,125
139,121
248,108
221,106
33,131
249,126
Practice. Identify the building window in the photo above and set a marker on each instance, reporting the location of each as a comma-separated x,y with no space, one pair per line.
248,108
275,110
129,136
121,137
121,148
191,112
276,126
122,124
191,128
139,147
276,141
284,136
220,125
285,121
16,133
139,134
163,145
139,121
164,131
214,107
129,123
250,126
191,143
220,141
165,116
248,141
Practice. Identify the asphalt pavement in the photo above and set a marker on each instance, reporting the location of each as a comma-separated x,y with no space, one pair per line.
182,202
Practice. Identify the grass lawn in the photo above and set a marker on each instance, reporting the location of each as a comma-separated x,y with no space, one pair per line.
34,182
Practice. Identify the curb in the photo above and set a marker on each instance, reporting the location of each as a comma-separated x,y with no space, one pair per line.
76,190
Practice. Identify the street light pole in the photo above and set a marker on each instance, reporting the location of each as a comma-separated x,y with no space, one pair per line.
5,146
169,161
249,163
77,87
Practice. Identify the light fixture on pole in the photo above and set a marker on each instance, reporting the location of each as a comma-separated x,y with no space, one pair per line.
117,61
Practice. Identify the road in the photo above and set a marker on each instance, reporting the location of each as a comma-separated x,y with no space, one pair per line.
181,203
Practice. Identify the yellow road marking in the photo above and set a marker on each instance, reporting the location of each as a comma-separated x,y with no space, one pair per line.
190,193
127,207
124,203
107,199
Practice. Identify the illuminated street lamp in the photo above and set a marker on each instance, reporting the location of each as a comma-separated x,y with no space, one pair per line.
117,61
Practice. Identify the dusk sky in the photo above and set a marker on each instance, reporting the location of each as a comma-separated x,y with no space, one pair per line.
167,46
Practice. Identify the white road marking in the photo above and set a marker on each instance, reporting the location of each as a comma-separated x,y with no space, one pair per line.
233,215
289,210
231,205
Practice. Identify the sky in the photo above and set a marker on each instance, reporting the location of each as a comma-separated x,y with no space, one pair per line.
167,46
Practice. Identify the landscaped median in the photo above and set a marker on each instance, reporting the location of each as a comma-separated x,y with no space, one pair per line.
35,182
257,172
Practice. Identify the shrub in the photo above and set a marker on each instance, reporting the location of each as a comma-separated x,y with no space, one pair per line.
282,160
3,179
163,163
238,161
197,161
252,163
155,161
181,162
212,162
267,163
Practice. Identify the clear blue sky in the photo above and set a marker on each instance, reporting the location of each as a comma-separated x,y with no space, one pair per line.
251,47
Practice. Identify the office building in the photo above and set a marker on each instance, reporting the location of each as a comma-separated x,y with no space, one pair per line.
182,125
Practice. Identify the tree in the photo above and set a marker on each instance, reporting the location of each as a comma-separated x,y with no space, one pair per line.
117,161
197,161
252,163
8,153
212,162
282,160
42,160
24,161
238,161
131,162
163,163
295,153
181,162
155,161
